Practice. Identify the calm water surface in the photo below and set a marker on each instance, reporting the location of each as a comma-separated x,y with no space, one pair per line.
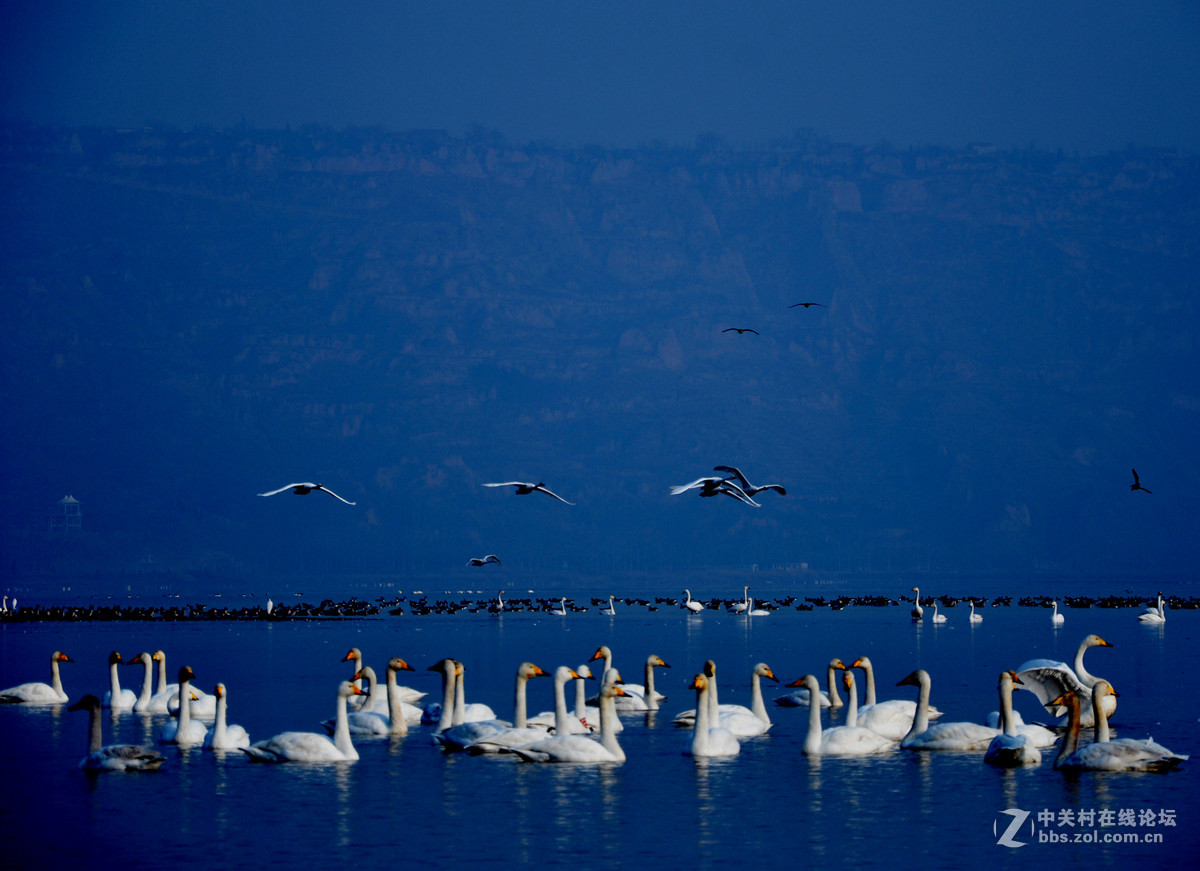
407,801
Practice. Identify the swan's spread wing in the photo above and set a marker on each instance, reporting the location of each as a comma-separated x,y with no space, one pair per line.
552,493
289,487
1048,680
334,495
699,482
509,484
733,470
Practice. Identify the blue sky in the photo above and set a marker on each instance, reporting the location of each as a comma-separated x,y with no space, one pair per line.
1088,76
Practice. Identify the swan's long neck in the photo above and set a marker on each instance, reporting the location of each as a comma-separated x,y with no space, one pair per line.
397,725
114,685
94,737
1007,720
835,700
812,741
1070,739
185,707
700,725
55,677
920,722
519,718
1101,721
756,700
608,733
1082,673
852,702
648,687
341,732
869,677
714,706
580,699
460,698
162,674
147,684
446,720
562,720
219,723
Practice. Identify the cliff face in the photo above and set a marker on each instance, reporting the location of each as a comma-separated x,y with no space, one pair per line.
194,318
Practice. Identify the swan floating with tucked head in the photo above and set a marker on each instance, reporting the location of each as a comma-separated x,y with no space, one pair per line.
36,692
304,488
1124,754
112,757
310,746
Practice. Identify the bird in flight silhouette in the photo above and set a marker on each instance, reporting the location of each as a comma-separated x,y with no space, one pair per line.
739,330
304,488
524,488
1137,484
806,304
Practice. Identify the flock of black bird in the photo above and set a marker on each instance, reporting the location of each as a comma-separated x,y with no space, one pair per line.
420,607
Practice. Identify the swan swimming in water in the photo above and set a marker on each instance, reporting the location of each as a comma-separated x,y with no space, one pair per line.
1124,754
937,618
691,604
1008,749
1046,679
743,722
523,733
371,723
848,740
184,731
974,618
117,698
1155,615
829,697
225,736
941,736
709,739
309,746
578,748
36,692
112,757
892,718
462,736
1056,618
632,697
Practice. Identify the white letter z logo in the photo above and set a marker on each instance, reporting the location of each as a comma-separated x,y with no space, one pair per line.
1019,816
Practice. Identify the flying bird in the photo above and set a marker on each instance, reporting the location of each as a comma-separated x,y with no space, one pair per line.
483,560
523,487
710,486
806,304
305,488
1137,484
739,330
745,486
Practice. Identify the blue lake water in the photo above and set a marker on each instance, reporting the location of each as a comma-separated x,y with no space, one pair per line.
405,800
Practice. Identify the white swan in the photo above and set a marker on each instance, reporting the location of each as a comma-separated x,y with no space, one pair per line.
709,739
941,736
184,731
309,746
739,607
1124,754
892,718
36,692
578,748
974,618
117,698
1155,616
561,610
1008,749
1046,679
756,612
937,618
458,710
829,697
372,724
166,695
142,705
691,604
379,704
743,722
526,733
634,698
1055,618
839,740
304,488
225,736
112,757
610,610
577,720
917,611
466,732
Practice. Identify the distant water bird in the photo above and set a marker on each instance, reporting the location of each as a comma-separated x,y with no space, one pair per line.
806,304
1155,614
974,618
739,330
37,693
304,488
483,560
938,618
1137,484
497,607
1056,618
745,486
917,611
610,610
691,604
524,488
